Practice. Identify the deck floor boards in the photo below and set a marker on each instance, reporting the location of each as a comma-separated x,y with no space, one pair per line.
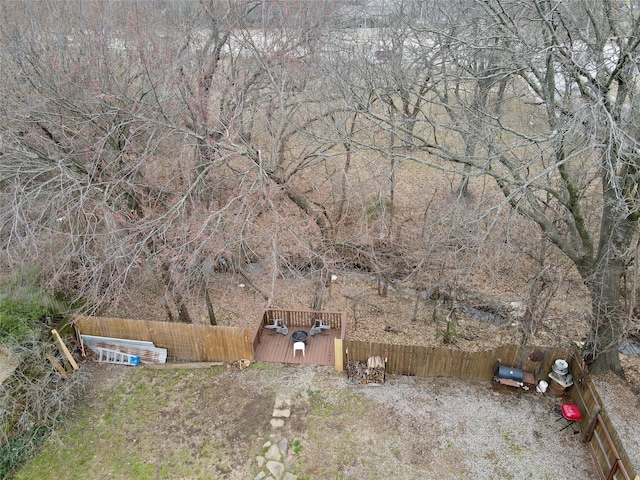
278,348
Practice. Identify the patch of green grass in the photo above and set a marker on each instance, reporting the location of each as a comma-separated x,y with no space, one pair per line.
325,404
23,303
297,447
122,433
262,366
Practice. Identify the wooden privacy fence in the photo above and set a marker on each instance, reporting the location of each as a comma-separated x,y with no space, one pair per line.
441,362
598,430
183,341
612,462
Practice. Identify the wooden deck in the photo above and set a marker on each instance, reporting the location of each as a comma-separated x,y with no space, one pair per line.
270,346
278,348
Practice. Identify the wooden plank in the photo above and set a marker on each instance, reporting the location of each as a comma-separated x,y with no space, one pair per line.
57,366
120,341
63,349
175,366
339,355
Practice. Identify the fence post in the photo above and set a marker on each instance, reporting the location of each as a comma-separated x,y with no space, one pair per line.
339,354
586,438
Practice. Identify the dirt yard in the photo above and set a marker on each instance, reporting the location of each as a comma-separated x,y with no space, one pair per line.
212,423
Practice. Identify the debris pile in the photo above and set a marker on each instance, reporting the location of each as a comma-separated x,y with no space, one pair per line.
370,372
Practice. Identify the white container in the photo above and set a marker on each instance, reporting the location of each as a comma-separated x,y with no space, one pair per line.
561,364
560,367
542,386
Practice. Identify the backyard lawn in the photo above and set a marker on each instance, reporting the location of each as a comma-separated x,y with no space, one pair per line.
212,423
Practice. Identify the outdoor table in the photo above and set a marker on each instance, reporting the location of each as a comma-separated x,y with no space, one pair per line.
300,336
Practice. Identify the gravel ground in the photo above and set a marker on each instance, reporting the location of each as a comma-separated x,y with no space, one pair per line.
493,435
431,428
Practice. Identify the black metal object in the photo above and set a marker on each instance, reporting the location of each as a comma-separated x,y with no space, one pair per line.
300,336
510,373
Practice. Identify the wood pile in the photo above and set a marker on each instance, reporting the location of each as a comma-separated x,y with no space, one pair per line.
376,369
372,371
357,372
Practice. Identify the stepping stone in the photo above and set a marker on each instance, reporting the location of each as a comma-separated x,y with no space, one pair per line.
277,422
286,413
283,445
276,468
273,453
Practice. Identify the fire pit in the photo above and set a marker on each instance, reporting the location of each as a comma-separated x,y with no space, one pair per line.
300,336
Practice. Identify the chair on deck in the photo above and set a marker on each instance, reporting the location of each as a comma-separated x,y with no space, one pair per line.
318,327
278,326
298,346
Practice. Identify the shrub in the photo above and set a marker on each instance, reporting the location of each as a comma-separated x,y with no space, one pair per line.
33,400
23,304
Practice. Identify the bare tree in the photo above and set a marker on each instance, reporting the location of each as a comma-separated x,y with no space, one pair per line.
161,140
565,155
207,136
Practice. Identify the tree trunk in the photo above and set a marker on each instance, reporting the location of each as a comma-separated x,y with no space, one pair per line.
606,329
183,311
463,188
322,286
210,311
604,283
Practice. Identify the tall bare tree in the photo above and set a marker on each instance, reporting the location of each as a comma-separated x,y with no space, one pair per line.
143,138
565,154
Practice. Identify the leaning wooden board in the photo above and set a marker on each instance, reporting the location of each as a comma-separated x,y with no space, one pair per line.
64,350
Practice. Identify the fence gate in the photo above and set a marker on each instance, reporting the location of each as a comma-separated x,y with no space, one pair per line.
604,452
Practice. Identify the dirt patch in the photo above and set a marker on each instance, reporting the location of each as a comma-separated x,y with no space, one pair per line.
137,423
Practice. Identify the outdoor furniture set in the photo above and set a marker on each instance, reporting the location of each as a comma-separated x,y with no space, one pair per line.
298,337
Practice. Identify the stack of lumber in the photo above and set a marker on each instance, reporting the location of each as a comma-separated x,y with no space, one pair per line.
375,369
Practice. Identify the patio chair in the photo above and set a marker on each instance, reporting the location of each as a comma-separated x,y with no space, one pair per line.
318,327
298,346
278,326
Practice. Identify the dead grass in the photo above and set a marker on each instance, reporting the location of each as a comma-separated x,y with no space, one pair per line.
139,423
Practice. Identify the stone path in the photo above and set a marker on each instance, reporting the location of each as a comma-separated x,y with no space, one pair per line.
277,463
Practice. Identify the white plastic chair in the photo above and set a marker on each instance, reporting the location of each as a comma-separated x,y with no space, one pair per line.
298,346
